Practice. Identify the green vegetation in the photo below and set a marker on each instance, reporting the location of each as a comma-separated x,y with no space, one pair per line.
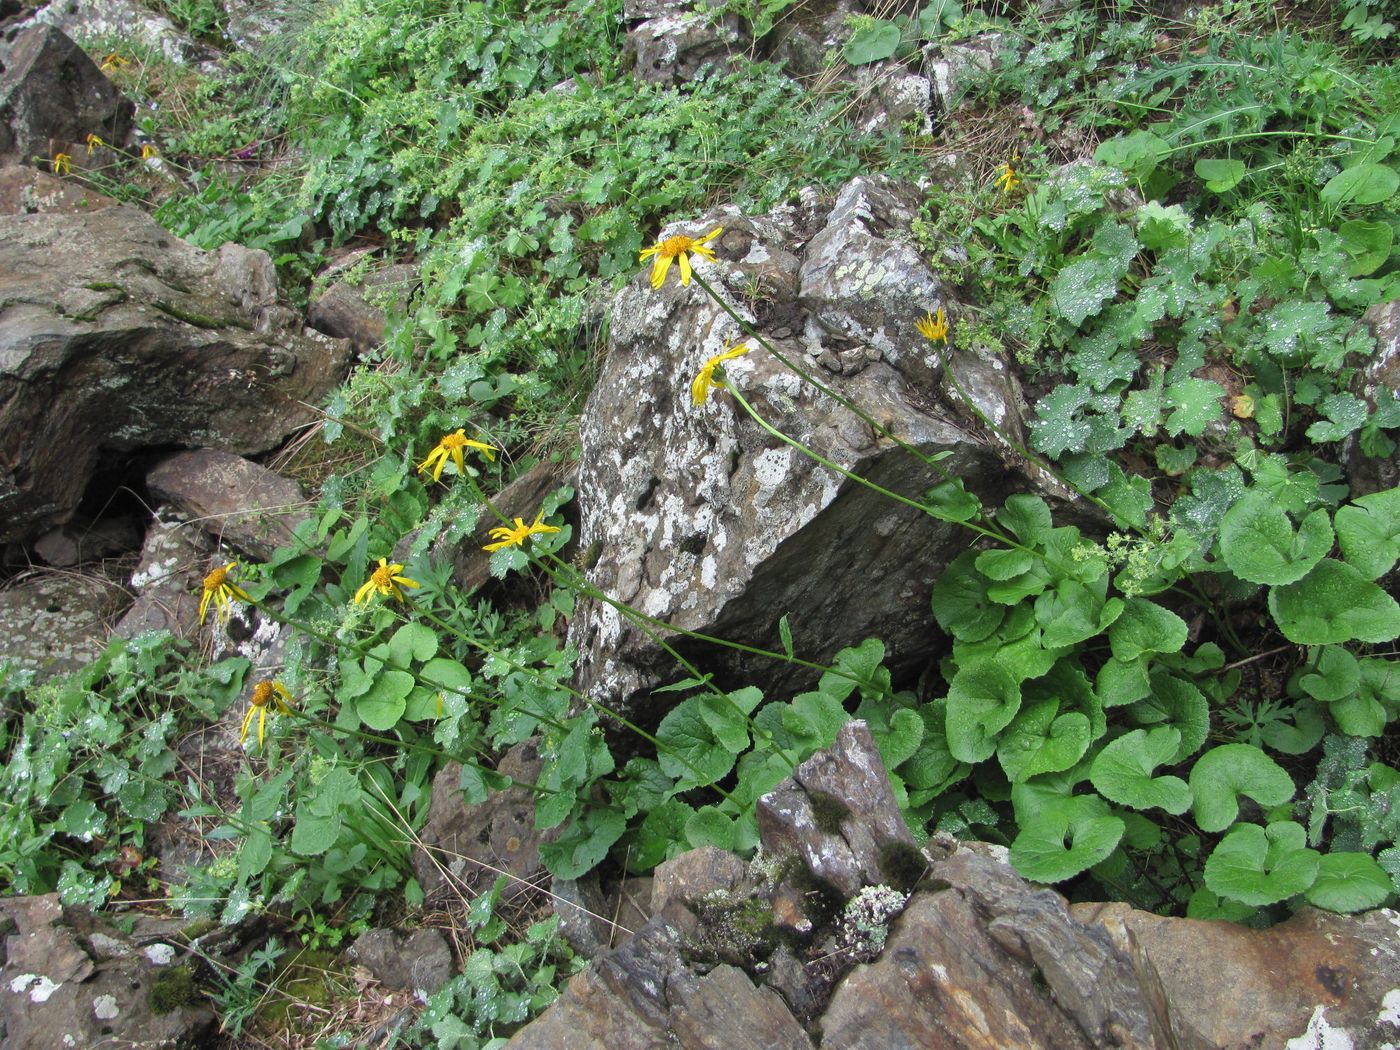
1187,710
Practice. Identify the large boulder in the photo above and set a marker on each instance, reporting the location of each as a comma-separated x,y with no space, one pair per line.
55,623
703,520
117,335
52,96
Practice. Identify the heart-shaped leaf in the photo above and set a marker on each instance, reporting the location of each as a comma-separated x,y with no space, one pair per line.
1177,703
1362,184
1069,613
384,704
982,701
1332,604
412,641
1368,531
1219,175
1068,836
1145,627
1259,545
960,602
1122,772
872,41
1350,882
1261,866
1037,741
1226,772
1336,676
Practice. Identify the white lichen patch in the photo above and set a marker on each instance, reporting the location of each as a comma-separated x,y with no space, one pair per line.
1321,1036
1390,1008
160,954
105,1008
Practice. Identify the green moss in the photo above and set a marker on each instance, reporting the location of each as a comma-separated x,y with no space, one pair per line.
307,978
173,988
829,811
903,865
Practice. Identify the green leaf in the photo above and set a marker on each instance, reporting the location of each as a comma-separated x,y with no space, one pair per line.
937,14
785,635
1368,244
1038,742
949,500
1069,614
584,844
1067,836
446,676
1258,866
383,705
1122,772
1177,703
1258,543
1219,175
1345,414
1368,531
662,833
412,641
872,41
1122,682
814,718
1195,404
1349,882
1336,676
708,826
1363,184
1228,771
1028,517
314,833
1003,563
691,756
901,739
1145,627
982,701
1333,604
726,716
960,602
1137,153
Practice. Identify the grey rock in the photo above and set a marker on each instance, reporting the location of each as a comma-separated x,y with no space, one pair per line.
240,503
357,311
107,21
955,69
83,984
463,841
1381,370
123,336
167,581
84,539
809,32
701,519
25,189
837,815
671,48
991,961
55,623
594,921
420,961
695,874
52,96
889,96
643,996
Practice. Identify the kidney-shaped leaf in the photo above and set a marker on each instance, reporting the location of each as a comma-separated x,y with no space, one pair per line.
1145,627
1122,772
1368,531
1067,837
1332,604
982,701
1350,882
1259,866
1258,543
1226,772
1037,741
960,602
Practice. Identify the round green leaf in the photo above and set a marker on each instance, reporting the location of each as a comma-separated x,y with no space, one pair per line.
707,826
1177,703
1067,837
384,704
1122,772
1219,175
1224,773
412,641
1362,184
1332,604
1145,627
1068,614
1258,866
1299,734
1336,676
1122,682
1350,882
873,41
960,602
1004,563
1368,531
689,751
1038,742
1359,716
1368,244
446,676
982,701
1258,543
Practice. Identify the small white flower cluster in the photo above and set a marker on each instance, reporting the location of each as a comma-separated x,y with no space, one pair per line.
865,924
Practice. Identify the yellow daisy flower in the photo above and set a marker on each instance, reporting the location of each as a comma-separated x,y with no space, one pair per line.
113,61
148,151
515,537
220,593
450,447
934,328
62,163
94,142
679,247
1007,178
264,693
705,380
387,581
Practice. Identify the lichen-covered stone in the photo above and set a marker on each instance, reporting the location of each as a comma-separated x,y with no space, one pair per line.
56,623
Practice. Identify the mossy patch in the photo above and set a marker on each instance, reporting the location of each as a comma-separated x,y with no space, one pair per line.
172,989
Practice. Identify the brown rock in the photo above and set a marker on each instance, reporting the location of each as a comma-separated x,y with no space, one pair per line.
1314,974
167,581
690,876
357,311
417,961
55,623
25,189
235,500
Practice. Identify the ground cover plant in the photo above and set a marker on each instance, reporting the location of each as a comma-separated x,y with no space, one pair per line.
1189,709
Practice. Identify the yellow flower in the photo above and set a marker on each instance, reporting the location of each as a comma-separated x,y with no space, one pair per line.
450,447
94,142
515,537
62,164
264,693
1007,178
1242,406
113,61
705,380
679,247
148,151
934,328
387,581
220,593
